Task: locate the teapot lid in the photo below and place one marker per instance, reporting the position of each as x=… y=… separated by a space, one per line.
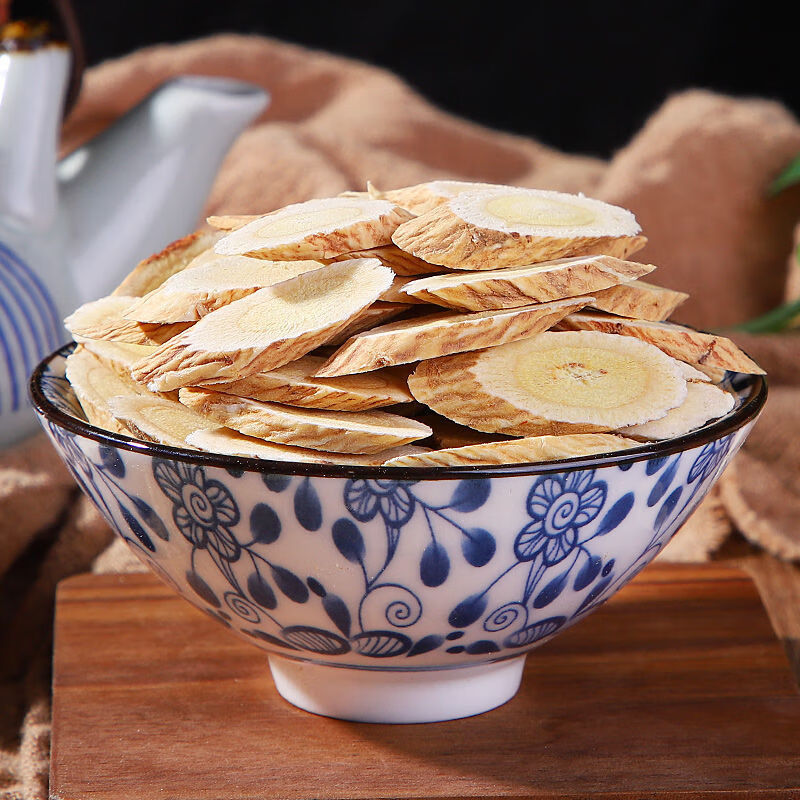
x=42 y=30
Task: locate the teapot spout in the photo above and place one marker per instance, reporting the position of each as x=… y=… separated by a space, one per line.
x=143 y=183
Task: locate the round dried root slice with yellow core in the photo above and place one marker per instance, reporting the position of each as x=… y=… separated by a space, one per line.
x=519 y=286
x=294 y=384
x=153 y=271
x=554 y=383
x=103 y=319
x=231 y=443
x=440 y=334
x=268 y=328
x=316 y=229
x=400 y=262
x=338 y=432
x=702 y=350
x=508 y=227
x=94 y=384
x=638 y=300
x=210 y=282
x=518 y=451
x=703 y=402
x=158 y=419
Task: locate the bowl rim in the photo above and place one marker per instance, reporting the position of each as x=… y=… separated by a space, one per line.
x=747 y=412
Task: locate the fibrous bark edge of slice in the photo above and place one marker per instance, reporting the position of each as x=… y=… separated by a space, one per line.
x=154 y=270
x=390 y=255
x=528 y=450
x=232 y=443
x=442 y=334
x=639 y=300
x=333 y=431
x=519 y=286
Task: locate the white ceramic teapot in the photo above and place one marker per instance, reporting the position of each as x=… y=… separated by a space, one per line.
x=70 y=230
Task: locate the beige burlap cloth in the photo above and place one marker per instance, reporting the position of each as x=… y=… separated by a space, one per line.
x=696 y=176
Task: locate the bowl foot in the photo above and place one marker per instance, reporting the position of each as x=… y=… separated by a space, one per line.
x=394 y=696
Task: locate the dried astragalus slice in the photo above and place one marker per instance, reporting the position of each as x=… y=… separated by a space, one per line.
x=518 y=451
x=639 y=300
x=230 y=222
x=210 y=282
x=703 y=402
x=94 y=384
x=424 y=196
x=294 y=384
x=554 y=383
x=510 y=227
x=377 y=314
x=268 y=328
x=103 y=319
x=395 y=293
x=700 y=350
x=449 y=434
x=520 y=286
x=316 y=229
x=335 y=431
x=153 y=271
x=120 y=356
x=232 y=443
x=690 y=373
x=442 y=334
x=155 y=418
x=390 y=255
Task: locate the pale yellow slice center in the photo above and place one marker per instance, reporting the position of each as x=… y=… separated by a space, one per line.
x=576 y=376
x=310 y=221
x=174 y=420
x=295 y=302
x=105 y=383
x=520 y=209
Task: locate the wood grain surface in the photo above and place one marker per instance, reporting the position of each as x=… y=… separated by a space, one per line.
x=676 y=688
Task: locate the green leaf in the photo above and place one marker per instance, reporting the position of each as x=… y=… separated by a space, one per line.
x=789 y=177
x=775 y=321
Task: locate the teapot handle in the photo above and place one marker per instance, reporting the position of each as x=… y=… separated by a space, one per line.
x=72 y=32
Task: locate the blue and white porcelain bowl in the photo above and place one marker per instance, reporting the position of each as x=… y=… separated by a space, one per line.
x=392 y=594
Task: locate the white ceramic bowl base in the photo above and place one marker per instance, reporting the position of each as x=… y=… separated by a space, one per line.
x=388 y=696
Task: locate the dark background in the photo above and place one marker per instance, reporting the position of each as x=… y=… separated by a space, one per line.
x=580 y=76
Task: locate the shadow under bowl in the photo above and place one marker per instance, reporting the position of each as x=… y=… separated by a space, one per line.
x=392 y=594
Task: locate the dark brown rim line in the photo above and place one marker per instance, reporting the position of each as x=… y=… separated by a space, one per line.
x=748 y=411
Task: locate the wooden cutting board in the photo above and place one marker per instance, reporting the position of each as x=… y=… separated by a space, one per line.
x=677 y=688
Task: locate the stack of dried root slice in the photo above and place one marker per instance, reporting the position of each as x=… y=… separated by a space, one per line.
x=498 y=325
